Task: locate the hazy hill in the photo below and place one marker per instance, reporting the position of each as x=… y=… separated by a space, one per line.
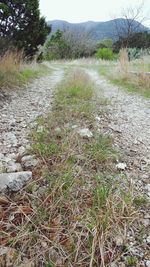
x=97 y=30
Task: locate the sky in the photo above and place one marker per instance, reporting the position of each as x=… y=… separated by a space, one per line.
x=85 y=10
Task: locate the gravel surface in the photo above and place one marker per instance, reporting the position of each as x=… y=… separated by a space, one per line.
x=26 y=104
x=128 y=121
x=19 y=112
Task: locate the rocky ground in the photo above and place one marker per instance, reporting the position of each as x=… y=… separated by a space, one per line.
x=19 y=110
x=128 y=121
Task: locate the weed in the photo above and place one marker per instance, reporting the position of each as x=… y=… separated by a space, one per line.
x=140 y=201
x=100 y=149
x=131 y=261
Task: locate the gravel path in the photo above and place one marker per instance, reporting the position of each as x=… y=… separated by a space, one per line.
x=128 y=121
x=18 y=114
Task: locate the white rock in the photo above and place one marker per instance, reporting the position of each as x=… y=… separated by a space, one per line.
x=12 y=138
x=12 y=156
x=147 y=187
x=148 y=239
x=4 y=250
x=14 y=167
x=1 y=156
x=119 y=240
x=147 y=263
x=98 y=118
x=14 y=181
x=6 y=159
x=113 y=264
x=146 y=222
x=58 y=130
x=21 y=150
x=121 y=166
x=74 y=126
x=85 y=133
x=13 y=122
x=1 y=167
x=29 y=161
x=40 y=128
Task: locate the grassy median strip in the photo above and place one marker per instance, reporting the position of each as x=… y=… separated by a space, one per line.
x=75 y=207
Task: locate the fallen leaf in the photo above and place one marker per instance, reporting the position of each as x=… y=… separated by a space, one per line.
x=4 y=200
x=25 y=210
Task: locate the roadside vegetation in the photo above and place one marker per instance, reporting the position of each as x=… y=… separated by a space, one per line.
x=132 y=75
x=105 y=53
x=15 y=71
x=78 y=209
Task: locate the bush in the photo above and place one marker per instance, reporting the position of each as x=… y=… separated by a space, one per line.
x=105 y=53
x=135 y=53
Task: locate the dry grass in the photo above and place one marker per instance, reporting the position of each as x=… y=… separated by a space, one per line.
x=137 y=81
x=72 y=213
x=11 y=61
x=133 y=80
x=15 y=71
x=10 y=64
x=132 y=75
x=124 y=63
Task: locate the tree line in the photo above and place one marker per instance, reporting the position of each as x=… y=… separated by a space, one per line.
x=22 y=28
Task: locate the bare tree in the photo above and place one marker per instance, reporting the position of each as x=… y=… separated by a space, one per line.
x=79 y=41
x=132 y=18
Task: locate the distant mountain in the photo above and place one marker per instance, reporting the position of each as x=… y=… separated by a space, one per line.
x=96 y=30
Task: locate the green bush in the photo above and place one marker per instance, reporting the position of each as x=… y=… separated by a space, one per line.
x=105 y=53
x=135 y=53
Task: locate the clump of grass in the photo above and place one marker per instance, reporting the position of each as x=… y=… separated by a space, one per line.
x=78 y=87
x=11 y=61
x=100 y=149
x=138 y=81
x=15 y=71
x=70 y=214
x=131 y=261
x=10 y=64
x=124 y=62
x=140 y=201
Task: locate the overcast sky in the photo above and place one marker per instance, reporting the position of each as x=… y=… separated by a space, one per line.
x=84 y=10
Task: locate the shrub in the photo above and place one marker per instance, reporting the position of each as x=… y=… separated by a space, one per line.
x=105 y=53
x=15 y=71
x=135 y=53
